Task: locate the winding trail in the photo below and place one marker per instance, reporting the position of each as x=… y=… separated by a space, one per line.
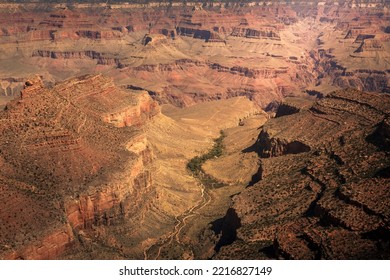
x=181 y=222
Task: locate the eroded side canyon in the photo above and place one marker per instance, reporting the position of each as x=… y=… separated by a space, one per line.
x=104 y=106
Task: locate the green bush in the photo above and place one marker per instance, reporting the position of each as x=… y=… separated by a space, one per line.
x=195 y=164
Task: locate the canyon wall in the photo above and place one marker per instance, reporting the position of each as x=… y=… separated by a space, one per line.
x=199 y=52
x=65 y=168
x=77 y=169
x=322 y=191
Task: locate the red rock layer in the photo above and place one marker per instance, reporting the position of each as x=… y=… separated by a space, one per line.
x=324 y=187
x=65 y=167
x=262 y=35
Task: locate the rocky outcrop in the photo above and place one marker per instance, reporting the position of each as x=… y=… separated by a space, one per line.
x=238 y=81
x=259 y=51
x=89 y=34
x=75 y=158
x=32 y=87
x=340 y=76
x=273 y=147
x=137 y=115
x=370 y=46
x=381 y=136
x=119 y=199
x=192 y=32
x=364 y=79
x=101 y=58
x=49 y=246
x=286 y=109
x=207 y=35
x=352 y=33
x=256 y=34
x=65 y=168
x=330 y=201
x=362 y=37
x=155 y=39
x=235 y=70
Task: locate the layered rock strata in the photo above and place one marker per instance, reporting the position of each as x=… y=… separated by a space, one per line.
x=324 y=185
x=72 y=158
x=263 y=51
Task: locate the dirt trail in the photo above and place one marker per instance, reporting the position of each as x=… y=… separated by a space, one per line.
x=179 y=232
x=181 y=222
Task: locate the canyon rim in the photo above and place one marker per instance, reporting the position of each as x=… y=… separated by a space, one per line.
x=194 y=129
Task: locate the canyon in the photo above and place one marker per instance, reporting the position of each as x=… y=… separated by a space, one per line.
x=105 y=109
x=321 y=172
x=199 y=52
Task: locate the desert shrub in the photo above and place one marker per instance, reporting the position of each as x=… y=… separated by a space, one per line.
x=195 y=164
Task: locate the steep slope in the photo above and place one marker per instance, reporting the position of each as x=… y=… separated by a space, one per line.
x=89 y=170
x=186 y=54
x=172 y=225
x=323 y=185
x=71 y=159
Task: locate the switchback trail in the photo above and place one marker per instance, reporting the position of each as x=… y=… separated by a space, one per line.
x=181 y=222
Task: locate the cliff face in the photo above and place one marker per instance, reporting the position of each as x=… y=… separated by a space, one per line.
x=365 y=79
x=75 y=159
x=136 y=114
x=238 y=81
x=187 y=54
x=125 y=194
x=101 y=58
x=253 y=33
x=66 y=168
x=324 y=184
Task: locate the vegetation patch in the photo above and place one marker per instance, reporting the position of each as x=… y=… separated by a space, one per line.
x=195 y=164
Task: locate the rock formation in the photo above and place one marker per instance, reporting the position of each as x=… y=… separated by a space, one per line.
x=323 y=191
x=196 y=53
x=90 y=168
x=72 y=157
